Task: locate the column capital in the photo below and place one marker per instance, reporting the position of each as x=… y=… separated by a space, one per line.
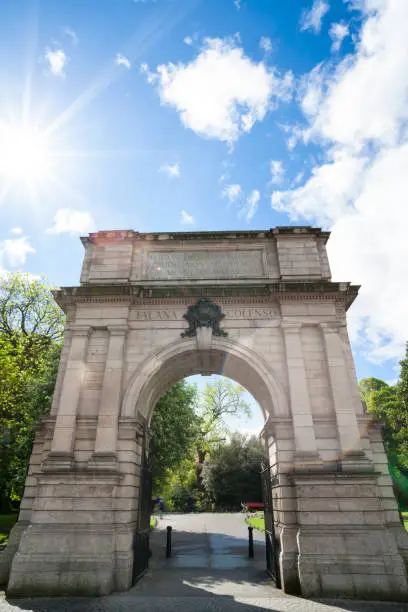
x=118 y=330
x=332 y=327
x=291 y=327
x=79 y=331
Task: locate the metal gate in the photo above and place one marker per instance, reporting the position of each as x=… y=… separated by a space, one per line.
x=141 y=549
x=272 y=547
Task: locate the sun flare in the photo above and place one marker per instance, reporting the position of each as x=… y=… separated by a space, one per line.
x=25 y=156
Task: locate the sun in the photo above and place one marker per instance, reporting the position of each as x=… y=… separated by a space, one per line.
x=25 y=155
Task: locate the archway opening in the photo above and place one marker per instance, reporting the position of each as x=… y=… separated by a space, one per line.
x=238 y=366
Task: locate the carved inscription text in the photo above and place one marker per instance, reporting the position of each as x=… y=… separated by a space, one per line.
x=268 y=312
x=205 y=264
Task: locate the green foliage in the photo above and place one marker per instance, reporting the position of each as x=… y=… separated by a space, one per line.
x=187 y=428
x=389 y=404
x=174 y=428
x=28 y=308
x=233 y=474
x=31 y=326
x=7 y=521
x=180 y=496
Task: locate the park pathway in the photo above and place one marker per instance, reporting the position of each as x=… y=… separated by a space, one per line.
x=209 y=571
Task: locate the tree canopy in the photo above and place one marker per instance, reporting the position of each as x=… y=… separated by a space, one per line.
x=174 y=428
x=28 y=308
x=31 y=328
x=389 y=404
x=233 y=474
x=219 y=400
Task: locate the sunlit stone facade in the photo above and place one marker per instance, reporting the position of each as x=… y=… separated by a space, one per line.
x=336 y=516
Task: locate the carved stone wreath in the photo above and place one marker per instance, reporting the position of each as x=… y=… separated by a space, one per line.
x=203 y=313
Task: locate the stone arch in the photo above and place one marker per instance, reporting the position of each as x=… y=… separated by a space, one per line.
x=181 y=359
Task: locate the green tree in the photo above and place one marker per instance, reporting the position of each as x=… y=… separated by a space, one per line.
x=389 y=404
x=31 y=329
x=174 y=428
x=218 y=401
x=28 y=308
x=233 y=474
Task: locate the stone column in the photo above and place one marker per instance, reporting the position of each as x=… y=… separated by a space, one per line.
x=349 y=434
x=305 y=441
x=107 y=431
x=64 y=432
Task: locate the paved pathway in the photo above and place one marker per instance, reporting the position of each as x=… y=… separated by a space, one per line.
x=209 y=572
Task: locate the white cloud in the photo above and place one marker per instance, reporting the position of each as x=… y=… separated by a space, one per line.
x=172 y=170
x=277 y=172
x=122 y=60
x=366 y=98
x=72 y=35
x=265 y=43
x=222 y=92
x=327 y=195
x=70 y=221
x=359 y=115
x=186 y=219
x=251 y=204
x=298 y=178
x=338 y=32
x=312 y=19
x=14 y=251
x=232 y=192
x=57 y=61
x=16 y=230
x=188 y=40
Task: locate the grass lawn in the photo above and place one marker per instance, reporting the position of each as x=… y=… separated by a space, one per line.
x=153 y=522
x=6 y=523
x=257 y=522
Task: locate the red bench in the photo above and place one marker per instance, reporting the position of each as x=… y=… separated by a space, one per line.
x=252 y=506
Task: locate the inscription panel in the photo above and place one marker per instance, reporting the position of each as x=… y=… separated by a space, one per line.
x=205 y=264
x=235 y=313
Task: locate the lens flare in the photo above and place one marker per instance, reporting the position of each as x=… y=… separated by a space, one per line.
x=24 y=154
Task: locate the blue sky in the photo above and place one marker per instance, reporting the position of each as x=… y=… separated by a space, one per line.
x=174 y=115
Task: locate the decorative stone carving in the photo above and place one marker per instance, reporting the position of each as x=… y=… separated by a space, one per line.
x=203 y=314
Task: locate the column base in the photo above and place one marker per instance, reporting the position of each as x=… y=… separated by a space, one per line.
x=306 y=461
x=58 y=461
x=101 y=461
x=356 y=461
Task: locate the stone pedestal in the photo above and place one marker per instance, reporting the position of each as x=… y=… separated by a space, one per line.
x=69 y=546
x=345 y=547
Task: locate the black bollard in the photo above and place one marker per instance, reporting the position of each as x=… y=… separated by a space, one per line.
x=168 y=542
x=251 y=542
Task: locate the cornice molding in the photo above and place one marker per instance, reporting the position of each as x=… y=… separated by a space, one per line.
x=130 y=236
x=281 y=291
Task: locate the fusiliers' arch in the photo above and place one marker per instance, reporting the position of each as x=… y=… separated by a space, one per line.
x=259 y=307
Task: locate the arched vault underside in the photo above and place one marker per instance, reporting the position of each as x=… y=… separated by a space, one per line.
x=259 y=307
x=182 y=359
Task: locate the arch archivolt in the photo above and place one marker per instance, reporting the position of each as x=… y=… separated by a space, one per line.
x=181 y=359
